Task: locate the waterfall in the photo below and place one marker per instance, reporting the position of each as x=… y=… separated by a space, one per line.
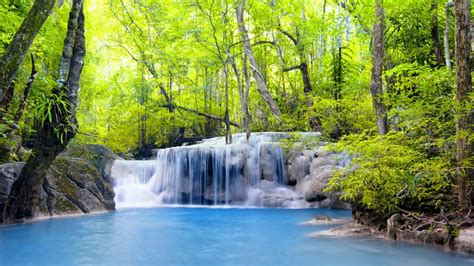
x=243 y=173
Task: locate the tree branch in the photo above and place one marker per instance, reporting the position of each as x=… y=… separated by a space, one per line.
x=287 y=34
x=287 y=69
x=221 y=119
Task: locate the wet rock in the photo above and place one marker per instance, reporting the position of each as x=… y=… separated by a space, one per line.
x=269 y=163
x=323 y=161
x=323 y=220
x=392 y=226
x=313 y=185
x=465 y=241
x=348 y=230
x=298 y=165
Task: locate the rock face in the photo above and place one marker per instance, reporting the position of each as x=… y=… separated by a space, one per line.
x=311 y=171
x=9 y=172
x=78 y=182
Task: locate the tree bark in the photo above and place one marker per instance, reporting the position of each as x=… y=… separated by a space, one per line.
x=447 y=51
x=377 y=59
x=26 y=92
x=261 y=85
x=213 y=117
x=248 y=119
x=24 y=197
x=69 y=42
x=18 y=47
x=465 y=113
x=303 y=66
x=435 y=33
x=5 y=102
x=243 y=96
x=228 y=134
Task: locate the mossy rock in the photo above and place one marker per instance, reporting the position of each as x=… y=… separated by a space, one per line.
x=9 y=147
x=99 y=156
x=75 y=185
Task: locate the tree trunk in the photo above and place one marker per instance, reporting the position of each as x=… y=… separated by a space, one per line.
x=243 y=96
x=248 y=119
x=5 y=102
x=18 y=47
x=228 y=134
x=26 y=92
x=447 y=51
x=306 y=80
x=261 y=86
x=377 y=59
x=435 y=33
x=465 y=113
x=52 y=138
x=322 y=43
x=68 y=45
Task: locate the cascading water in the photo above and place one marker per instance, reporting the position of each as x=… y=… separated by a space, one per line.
x=243 y=173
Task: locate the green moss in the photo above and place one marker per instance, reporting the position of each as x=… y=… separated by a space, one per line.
x=63 y=205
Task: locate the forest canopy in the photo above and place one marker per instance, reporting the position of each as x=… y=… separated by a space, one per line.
x=351 y=69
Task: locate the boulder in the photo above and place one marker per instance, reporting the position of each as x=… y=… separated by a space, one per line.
x=9 y=172
x=78 y=182
x=314 y=184
x=322 y=161
x=99 y=156
x=269 y=162
x=318 y=179
x=298 y=165
x=74 y=186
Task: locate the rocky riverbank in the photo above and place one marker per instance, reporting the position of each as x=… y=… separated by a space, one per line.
x=462 y=241
x=78 y=182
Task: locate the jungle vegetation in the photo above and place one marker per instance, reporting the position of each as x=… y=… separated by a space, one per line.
x=388 y=81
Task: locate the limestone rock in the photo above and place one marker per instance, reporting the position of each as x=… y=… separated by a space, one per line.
x=77 y=182
x=313 y=185
x=9 y=172
x=319 y=178
x=74 y=186
x=298 y=165
x=101 y=157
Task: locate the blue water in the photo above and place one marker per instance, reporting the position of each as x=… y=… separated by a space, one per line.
x=202 y=236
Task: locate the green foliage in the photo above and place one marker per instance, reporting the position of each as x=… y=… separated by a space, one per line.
x=55 y=112
x=137 y=49
x=388 y=173
x=300 y=141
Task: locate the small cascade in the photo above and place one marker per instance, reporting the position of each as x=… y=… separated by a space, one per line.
x=243 y=173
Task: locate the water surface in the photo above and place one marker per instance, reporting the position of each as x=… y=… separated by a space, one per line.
x=203 y=236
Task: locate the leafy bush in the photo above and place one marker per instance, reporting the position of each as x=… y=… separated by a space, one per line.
x=387 y=174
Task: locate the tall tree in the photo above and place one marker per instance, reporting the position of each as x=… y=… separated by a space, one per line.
x=377 y=60
x=465 y=112
x=58 y=127
x=303 y=64
x=447 y=51
x=256 y=73
x=18 y=47
x=435 y=33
